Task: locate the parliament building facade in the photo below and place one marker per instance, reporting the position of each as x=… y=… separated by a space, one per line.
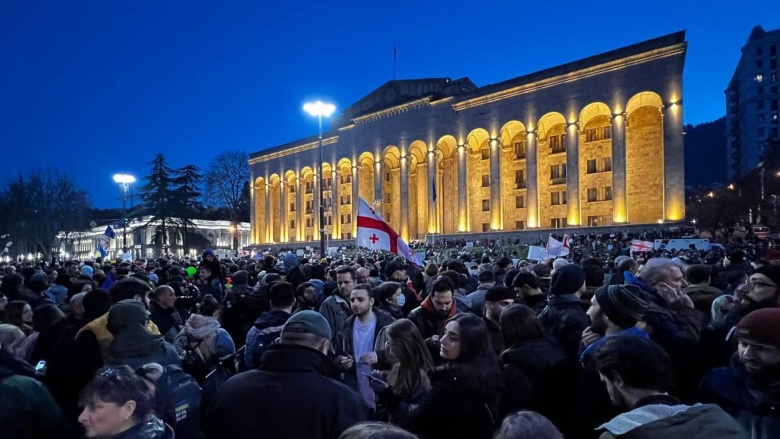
x=590 y=143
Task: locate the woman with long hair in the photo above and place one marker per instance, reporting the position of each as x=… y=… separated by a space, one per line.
x=19 y=313
x=539 y=375
x=466 y=389
x=406 y=383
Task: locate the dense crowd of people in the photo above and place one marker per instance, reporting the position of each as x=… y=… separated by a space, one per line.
x=602 y=343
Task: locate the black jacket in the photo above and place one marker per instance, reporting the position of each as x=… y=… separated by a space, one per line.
x=564 y=319
x=294 y=394
x=168 y=321
x=539 y=377
x=457 y=406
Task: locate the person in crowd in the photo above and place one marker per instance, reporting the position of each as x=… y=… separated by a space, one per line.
x=336 y=308
x=292 y=267
x=637 y=374
x=395 y=271
x=429 y=275
x=209 y=281
x=203 y=334
x=538 y=374
x=376 y=430
x=27 y=409
x=76 y=308
x=528 y=290
x=563 y=317
x=527 y=425
x=318 y=280
x=306 y=297
x=12 y=286
x=434 y=312
x=487 y=279
x=749 y=389
x=462 y=301
x=465 y=391
x=391 y=298
x=594 y=278
x=48 y=323
x=20 y=314
x=268 y=327
x=162 y=311
x=497 y=299
x=363 y=276
x=60 y=286
x=11 y=338
x=361 y=342
x=700 y=291
x=623 y=265
x=734 y=281
x=119 y=404
x=133 y=343
x=296 y=377
x=733 y=263
x=406 y=383
x=721 y=307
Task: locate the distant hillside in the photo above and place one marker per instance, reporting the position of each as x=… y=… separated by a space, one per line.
x=705 y=153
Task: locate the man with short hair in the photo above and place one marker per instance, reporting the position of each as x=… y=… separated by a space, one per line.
x=497 y=299
x=357 y=350
x=163 y=312
x=295 y=393
x=305 y=297
x=362 y=275
x=431 y=316
x=527 y=289
x=749 y=389
x=700 y=291
x=269 y=325
x=336 y=308
x=637 y=374
x=487 y=279
x=563 y=317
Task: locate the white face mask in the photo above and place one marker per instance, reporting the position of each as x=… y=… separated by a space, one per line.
x=401 y=300
x=473 y=272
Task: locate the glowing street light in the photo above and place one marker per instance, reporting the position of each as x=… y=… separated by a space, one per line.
x=124 y=180
x=320 y=110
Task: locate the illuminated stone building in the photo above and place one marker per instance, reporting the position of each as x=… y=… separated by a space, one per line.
x=593 y=142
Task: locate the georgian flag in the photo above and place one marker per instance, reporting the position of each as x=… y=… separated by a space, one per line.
x=557 y=248
x=375 y=234
x=637 y=245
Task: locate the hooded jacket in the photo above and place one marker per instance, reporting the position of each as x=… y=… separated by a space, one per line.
x=204 y=331
x=292 y=380
x=427 y=318
x=663 y=416
x=292 y=267
x=267 y=328
x=103 y=336
x=564 y=319
x=168 y=321
x=136 y=346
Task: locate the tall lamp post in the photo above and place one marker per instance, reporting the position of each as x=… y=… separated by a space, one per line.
x=320 y=109
x=124 y=181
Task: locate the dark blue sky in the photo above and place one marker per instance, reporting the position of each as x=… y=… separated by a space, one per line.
x=98 y=87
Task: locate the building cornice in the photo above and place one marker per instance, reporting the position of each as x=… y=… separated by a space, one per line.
x=293 y=150
x=576 y=75
x=392 y=111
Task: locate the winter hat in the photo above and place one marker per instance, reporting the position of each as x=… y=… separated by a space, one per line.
x=124 y=314
x=240 y=277
x=541 y=270
x=560 y=262
x=86 y=270
x=567 y=280
x=762 y=325
x=308 y=322
x=498 y=293
x=153 y=277
x=622 y=304
x=620 y=259
x=770 y=271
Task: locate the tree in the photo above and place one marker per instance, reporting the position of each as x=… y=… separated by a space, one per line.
x=227 y=184
x=37 y=207
x=187 y=198
x=159 y=198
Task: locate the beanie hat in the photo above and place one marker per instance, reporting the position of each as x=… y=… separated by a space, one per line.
x=762 y=325
x=567 y=280
x=560 y=262
x=622 y=304
x=770 y=271
x=86 y=270
x=153 y=277
x=498 y=293
x=240 y=277
x=124 y=314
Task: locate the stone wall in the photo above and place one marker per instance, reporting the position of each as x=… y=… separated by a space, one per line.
x=644 y=166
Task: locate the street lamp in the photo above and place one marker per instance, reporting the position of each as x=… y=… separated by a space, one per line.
x=124 y=181
x=320 y=109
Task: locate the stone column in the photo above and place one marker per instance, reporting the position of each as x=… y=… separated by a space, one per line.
x=300 y=230
x=403 y=182
x=253 y=226
x=532 y=181
x=283 y=212
x=378 y=183
x=573 y=174
x=316 y=200
x=463 y=207
x=674 y=169
x=433 y=186
x=267 y=227
x=496 y=206
x=335 y=206
x=355 y=198
x=619 y=209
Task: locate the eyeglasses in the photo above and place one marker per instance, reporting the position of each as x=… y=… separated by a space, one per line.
x=754 y=284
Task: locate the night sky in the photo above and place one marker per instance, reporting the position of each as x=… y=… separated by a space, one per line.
x=93 y=88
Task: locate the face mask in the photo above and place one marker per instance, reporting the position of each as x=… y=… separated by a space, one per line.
x=473 y=272
x=401 y=300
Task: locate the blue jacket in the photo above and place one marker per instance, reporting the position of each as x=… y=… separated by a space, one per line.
x=266 y=330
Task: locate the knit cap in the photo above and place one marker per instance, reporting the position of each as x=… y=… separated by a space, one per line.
x=567 y=280
x=770 y=271
x=762 y=325
x=622 y=304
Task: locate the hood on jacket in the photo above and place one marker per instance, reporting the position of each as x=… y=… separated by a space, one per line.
x=200 y=327
x=269 y=319
x=125 y=314
x=13 y=365
x=240 y=277
x=134 y=341
x=427 y=305
x=290 y=261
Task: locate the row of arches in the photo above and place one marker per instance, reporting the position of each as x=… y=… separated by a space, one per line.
x=595 y=168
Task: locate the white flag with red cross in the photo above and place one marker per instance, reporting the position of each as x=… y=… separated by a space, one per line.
x=375 y=234
x=638 y=245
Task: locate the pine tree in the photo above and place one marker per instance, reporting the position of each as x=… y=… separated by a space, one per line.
x=159 y=197
x=187 y=194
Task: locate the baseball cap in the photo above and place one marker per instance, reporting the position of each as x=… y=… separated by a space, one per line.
x=308 y=322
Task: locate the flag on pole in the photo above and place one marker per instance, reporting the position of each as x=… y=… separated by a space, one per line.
x=375 y=234
x=104 y=242
x=557 y=248
x=566 y=247
x=637 y=245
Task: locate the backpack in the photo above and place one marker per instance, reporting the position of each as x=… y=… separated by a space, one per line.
x=178 y=398
x=227 y=366
x=192 y=362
